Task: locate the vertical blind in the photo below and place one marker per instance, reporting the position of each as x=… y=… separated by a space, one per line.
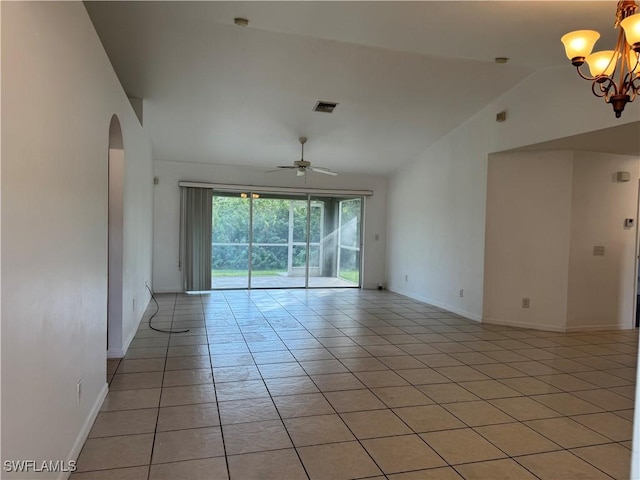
x=195 y=237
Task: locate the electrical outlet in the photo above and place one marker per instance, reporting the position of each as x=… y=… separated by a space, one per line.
x=525 y=302
x=78 y=393
x=461 y=292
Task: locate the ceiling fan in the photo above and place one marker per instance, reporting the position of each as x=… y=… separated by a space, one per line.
x=301 y=166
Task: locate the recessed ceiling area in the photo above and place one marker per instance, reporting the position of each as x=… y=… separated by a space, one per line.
x=404 y=73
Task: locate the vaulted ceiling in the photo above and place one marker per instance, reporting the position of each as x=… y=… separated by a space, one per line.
x=404 y=73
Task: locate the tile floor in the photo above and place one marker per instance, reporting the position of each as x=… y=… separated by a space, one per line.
x=347 y=384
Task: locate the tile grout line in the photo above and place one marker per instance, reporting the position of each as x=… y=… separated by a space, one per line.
x=155 y=431
x=215 y=390
x=330 y=315
x=270 y=395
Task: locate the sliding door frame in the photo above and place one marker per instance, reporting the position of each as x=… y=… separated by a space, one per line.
x=339 y=195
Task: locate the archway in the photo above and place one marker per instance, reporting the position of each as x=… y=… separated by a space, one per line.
x=115 y=242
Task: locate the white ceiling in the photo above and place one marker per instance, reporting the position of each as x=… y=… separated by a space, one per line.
x=404 y=73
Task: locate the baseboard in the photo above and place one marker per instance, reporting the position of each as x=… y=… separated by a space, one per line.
x=120 y=352
x=86 y=428
x=527 y=325
x=133 y=332
x=115 y=353
x=168 y=290
x=598 y=328
x=444 y=306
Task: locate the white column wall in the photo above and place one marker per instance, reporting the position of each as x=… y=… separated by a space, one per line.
x=436 y=220
x=601 y=288
x=528 y=233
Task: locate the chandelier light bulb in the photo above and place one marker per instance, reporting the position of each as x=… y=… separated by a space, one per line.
x=631 y=27
x=602 y=63
x=579 y=44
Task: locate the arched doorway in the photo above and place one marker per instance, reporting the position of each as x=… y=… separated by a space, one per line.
x=115 y=242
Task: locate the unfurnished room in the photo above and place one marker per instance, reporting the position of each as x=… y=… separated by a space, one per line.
x=319 y=240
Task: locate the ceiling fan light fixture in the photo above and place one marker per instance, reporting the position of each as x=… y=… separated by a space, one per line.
x=301 y=166
x=614 y=74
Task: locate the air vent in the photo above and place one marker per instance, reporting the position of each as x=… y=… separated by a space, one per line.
x=326 y=107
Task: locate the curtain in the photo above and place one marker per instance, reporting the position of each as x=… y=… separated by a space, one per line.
x=195 y=238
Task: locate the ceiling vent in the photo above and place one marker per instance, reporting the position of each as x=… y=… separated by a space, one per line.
x=326 y=107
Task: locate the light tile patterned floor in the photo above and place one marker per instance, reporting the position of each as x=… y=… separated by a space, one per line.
x=346 y=384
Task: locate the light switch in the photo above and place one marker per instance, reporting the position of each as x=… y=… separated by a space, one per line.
x=598 y=250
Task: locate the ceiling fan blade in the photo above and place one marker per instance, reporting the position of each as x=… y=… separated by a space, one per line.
x=326 y=171
x=286 y=166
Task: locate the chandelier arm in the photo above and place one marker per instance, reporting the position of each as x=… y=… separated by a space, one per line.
x=627 y=84
x=637 y=63
x=622 y=61
x=599 y=93
x=582 y=75
x=604 y=85
x=634 y=88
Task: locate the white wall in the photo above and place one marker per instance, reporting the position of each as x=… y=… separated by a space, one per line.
x=545 y=213
x=436 y=221
x=437 y=201
x=166 y=276
x=527 y=239
x=601 y=288
x=59 y=94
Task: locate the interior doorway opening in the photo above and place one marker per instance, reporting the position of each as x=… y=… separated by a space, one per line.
x=115 y=239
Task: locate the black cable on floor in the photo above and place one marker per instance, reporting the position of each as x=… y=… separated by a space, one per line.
x=155 y=313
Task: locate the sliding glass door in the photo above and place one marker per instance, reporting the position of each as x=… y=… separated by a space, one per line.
x=339 y=245
x=279 y=241
x=264 y=240
x=349 y=236
x=230 y=234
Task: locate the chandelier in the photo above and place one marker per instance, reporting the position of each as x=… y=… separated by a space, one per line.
x=615 y=74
